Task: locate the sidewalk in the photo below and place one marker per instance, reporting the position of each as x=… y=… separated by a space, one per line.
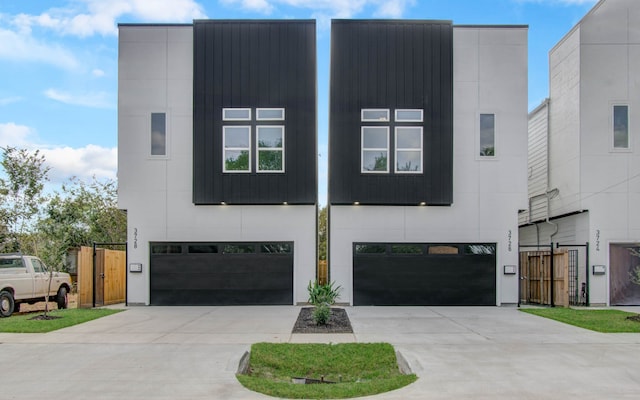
x=193 y=353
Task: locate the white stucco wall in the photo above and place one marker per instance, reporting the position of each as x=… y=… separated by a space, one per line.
x=490 y=76
x=155 y=75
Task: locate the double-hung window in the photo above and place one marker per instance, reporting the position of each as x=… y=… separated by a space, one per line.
x=404 y=150
x=243 y=136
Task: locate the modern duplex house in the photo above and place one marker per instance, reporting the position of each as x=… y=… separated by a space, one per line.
x=427 y=161
x=217 y=150
x=584 y=157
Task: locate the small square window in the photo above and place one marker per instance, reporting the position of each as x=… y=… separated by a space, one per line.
x=409 y=115
x=236 y=114
x=375 y=149
x=487 y=135
x=237 y=148
x=270 y=114
x=270 y=143
x=621 y=127
x=375 y=115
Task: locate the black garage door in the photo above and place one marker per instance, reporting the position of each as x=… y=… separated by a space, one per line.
x=221 y=273
x=424 y=274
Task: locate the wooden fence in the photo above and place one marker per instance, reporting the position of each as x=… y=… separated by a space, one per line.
x=109 y=283
x=535 y=278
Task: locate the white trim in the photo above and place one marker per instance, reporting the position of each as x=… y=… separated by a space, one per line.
x=225 y=118
x=258 y=149
x=258 y=118
x=224 y=149
x=407 y=150
x=364 y=110
x=363 y=149
x=421 y=111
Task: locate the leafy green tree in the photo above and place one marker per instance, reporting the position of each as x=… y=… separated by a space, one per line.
x=240 y=163
x=83 y=214
x=322 y=233
x=21 y=198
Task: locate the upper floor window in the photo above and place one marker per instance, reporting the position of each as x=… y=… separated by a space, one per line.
x=270 y=148
x=403 y=150
x=239 y=142
x=270 y=114
x=236 y=114
x=487 y=135
x=158 y=134
x=374 y=115
x=621 y=127
x=237 y=148
x=375 y=149
x=409 y=149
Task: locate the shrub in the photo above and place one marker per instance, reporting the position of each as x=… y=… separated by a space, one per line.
x=321 y=314
x=322 y=297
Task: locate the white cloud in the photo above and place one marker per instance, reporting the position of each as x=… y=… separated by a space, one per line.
x=323 y=9
x=99 y=17
x=9 y=100
x=97 y=73
x=22 y=47
x=93 y=100
x=84 y=163
x=561 y=2
x=15 y=135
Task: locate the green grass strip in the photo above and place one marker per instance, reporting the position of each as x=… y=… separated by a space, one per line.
x=69 y=317
x=605 y=321
x=360 y=369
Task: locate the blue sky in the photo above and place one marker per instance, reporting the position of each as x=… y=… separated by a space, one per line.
x=59 y=61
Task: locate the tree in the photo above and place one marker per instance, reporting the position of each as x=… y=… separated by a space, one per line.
x=20 y=197
x=83 y=214
x=322 y=233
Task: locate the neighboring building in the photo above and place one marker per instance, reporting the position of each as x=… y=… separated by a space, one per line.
x=217 y=160
x=584 y=157
x=427 y=161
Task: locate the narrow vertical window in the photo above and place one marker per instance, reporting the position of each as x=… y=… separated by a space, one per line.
x=237 y=148
x=487 y=135
x=158 y=134
x=621 y=127
x=408 y=149
x=270 y=139
x=375 y=149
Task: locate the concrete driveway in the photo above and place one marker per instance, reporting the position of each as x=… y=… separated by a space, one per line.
x=193 y=353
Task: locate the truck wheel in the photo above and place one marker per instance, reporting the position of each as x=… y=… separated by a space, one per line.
x=62 y=298
x=16 y=307
x=6 y=304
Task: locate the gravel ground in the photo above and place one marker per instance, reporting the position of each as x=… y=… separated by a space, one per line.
x=338 y=323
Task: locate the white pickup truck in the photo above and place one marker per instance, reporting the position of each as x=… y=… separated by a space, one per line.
x=25 y=279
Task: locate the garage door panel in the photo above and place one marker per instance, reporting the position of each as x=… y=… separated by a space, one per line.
x=221 y=279
x=424 y=279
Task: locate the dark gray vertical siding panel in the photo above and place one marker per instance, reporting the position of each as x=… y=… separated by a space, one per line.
x=256 y=64
x=391 y=64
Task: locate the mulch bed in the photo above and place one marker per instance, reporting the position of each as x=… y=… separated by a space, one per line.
x=44 y=317
x=635 y=318
x=338 y=322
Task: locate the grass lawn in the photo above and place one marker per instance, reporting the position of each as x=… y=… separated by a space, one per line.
x=606 y=321
x=359 y=368
x=68 y=317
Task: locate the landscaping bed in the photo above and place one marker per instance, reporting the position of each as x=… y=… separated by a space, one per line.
x=338 y=322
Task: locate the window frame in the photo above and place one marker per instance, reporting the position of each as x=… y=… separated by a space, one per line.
x=259 y=149
x=397 y=150
x=225 y=118
x=224 y=150
x=613 y=128
x=166 y=135
x=421 y=110
x=364 y=110
x=479 y=155
x=371 y=149
x=269 y=109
